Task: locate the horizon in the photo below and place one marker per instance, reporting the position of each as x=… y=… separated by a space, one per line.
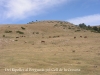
x=73 y=11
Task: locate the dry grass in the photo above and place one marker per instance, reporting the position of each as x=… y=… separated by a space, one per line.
x=60 y=49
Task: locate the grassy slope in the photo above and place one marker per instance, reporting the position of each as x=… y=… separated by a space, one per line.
x=57 y=52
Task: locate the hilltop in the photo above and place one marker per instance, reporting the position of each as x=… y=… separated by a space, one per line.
x=38 y=30
x=49 y=44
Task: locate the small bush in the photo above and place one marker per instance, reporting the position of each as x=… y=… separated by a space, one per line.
x=33 y=32
x=73 y=51
x=23 y=28
x=19 y=32
x=8 y=31
x=92 y=30
x=69 y=28
x=37 y=32
x=64 y=25
x=16 y=40
x=78 y=30
x=55 y=25
x=3 y=35
x=73 y=28
x=61 y=22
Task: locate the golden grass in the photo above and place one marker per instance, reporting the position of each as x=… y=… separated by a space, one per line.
x=57 y=52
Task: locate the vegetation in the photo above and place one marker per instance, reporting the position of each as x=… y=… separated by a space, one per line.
x=16 y=40
x=83 y=26
x=64 y=25
x=93 y=29
x=55 y=25
x=77 y=30
x=69 y=28
x=19 y=32
x=23 y=28
x=61 y=22
x=48 y=49
x=35 y=32
x=8 y=31
x=3 y=35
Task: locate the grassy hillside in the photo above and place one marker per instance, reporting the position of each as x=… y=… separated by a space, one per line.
x=55 y=47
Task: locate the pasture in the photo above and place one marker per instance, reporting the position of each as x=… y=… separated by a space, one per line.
x=48 y=48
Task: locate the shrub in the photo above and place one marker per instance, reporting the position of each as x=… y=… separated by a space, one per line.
x=73 y=51
x=55 y=25
x=19 y=32
x=82 y=26
x=78 y=30
x=23 y=28
x=3 y=35
x=61 y=22
x=33 y=32
x=64 y=25
x=8 y=31
x=16 y=40
x=37 y=32
x=95 y=29
x=69 y=28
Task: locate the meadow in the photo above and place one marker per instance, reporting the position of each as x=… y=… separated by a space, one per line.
x=48 y=48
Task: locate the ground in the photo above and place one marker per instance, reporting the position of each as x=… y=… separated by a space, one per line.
x=59 y=54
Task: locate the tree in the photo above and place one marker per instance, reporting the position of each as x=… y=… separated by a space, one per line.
x=89 y=27
x=99 y=29
x=95 y=28
x=82 y=25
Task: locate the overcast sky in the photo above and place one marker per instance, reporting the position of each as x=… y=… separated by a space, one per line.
x=74 y=11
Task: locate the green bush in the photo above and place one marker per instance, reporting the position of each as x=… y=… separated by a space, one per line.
x=23 y=28
x=16 y=40
x=19 y=32
x=33 y=32
x=3 y=35
x=95 y=29
x=69 y=28
x=37 y=32
x=78 y=30
x=82 y=26
x=8 y=31
x=61 y=22
x=64 y=25
x=55 y=25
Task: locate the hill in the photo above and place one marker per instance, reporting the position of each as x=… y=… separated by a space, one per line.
x=50 y=48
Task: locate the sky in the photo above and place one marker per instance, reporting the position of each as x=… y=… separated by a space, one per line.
x=74 y=11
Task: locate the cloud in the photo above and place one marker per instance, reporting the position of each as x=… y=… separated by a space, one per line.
x=21 y=9
x=88 y=20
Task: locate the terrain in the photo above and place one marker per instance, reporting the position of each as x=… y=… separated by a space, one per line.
x=48 y=48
